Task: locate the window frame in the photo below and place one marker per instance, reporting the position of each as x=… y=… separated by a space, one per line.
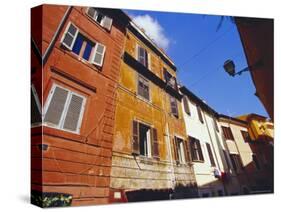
x=226 y=134
x=210 y=154
x=101 y=23
x=146 y=56
x=181 y=149
x=38 y=104
x=139 y=76
x=60 y=125
x=237 y=166
x=198 y=150
x=149 y=141
x=186 y=105
x=176 y=106
x=93 y=51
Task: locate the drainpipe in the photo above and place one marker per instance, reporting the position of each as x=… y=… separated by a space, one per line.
x=209 y=133
x=56 y=35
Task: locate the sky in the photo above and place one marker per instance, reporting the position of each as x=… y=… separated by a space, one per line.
x=199 y=48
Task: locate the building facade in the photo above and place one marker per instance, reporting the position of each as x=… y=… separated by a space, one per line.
x=74 y=90
x=249 y=160
x=150 y=154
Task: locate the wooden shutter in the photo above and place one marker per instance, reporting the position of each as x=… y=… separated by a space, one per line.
x=210 y=154
x=174 y=106
x=232 y=158
x=216 y=124
x=98 y=56
x=200 y=114
x=193 y=148
x=135 y=138
x=186 y=105
x=107 y=22
x=176 y=154
x=72 y=118
x=155 y=146
x=199 y=150
x=186 y=148
x=69 y=36
x=35 y=111
x=56 y=106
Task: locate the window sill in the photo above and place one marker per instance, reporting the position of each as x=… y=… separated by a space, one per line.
x=47 y=130
x=198 y=161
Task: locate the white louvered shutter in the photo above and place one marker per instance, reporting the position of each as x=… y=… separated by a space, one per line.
x=92 y=13
x=56 y=106
x=107 y=22
x=69 y=36
x=98 y=54
x=35 y=111
x=72 y=118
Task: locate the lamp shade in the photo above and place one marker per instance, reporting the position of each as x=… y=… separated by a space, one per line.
x=229 y=67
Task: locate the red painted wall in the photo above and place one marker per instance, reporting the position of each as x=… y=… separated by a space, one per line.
x=78 y=164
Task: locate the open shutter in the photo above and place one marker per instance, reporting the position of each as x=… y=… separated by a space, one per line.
x=92 y=13
x=212 y=161
x=107 y=22
x=176 y=154
x=56 y=106
x=200 y=114
x=35 y=107
x=98 y=54
x=216 y=124
x=135 y=138
x=69 y=36
x=174 y=106
x=72 y=118
x=155 y=146
x=199 y=150
x=186 y=105
x=186 y=150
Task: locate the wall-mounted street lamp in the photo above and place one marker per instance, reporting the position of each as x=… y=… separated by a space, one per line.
x=229 y=67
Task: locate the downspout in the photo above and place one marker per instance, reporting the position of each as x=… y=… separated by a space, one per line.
x=56 y=35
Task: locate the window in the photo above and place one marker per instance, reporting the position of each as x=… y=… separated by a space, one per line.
x=170 y=80
x=76 y=42
x=143 y=87
x=196 y=151
x=199 y=112
x=174 y=106
x=236 y=162
x=179 y=148
x=144 y=140
x=212 y=161
x=246 y=136
x=36 y=117
x=142 y=56
x=216 y=124
x=186 y=105
x=256 y=162
x=64 y=109
x=225 y=154
x=227 y=133
x=101 y=19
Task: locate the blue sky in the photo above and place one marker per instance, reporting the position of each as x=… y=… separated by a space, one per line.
x=199 y=50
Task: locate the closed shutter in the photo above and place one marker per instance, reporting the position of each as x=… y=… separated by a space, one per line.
x=69 y=36
x=155 y=146
x=135 y=138
x=98 y=54
x=193 y=148
x=106 y=23
x=73 y=113
x=56 y=106
x=210 y=154
x=35 y=111
x=174 y=106
x=199 y=150
x=176 y=154
x=200 y=114
x=186 y=105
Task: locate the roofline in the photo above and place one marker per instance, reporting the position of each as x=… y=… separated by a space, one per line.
x=229 y=118
x=196 y=99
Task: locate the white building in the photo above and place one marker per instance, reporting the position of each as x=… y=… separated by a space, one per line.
x=207 y=147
